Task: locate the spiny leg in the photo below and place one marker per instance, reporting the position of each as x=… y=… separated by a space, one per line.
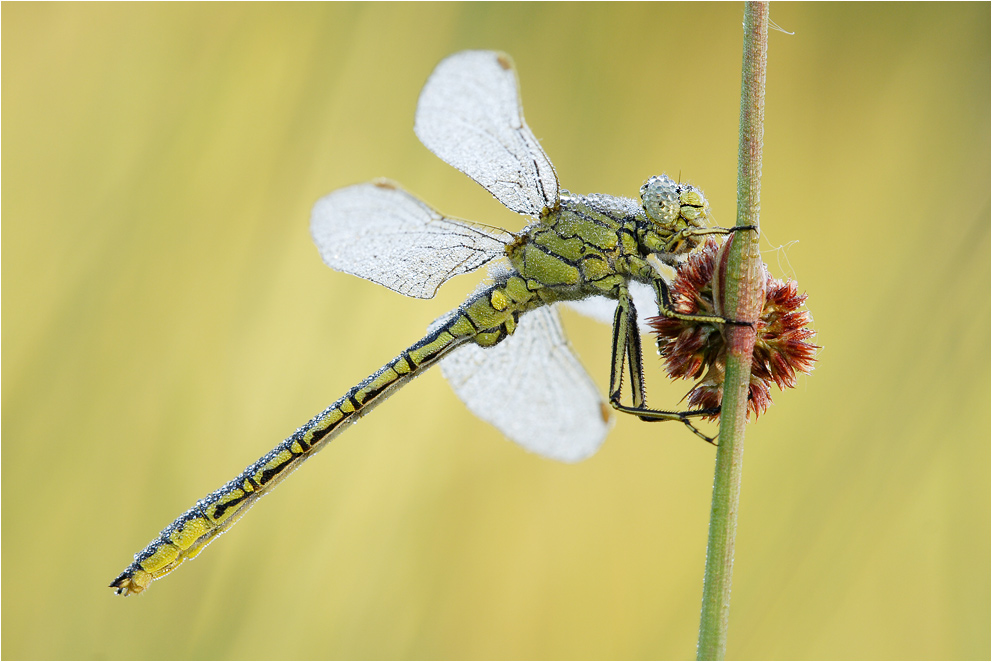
x=635 y=361
x=618 y=351
x=665 y=308
x=685 y=233
x=627 y=346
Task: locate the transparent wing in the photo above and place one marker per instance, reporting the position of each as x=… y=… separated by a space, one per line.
x=379 y=232
x=533 y=389
x=469 y=114
x=602 y=309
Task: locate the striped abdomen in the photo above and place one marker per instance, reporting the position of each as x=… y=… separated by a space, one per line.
x=218 y=511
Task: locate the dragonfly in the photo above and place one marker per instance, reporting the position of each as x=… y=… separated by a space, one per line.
x=503 y=350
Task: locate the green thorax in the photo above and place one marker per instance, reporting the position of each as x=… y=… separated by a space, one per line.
x=587 y=246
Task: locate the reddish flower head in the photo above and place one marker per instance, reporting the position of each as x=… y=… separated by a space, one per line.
x=694 y=350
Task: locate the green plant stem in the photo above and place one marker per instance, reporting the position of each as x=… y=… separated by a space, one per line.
x=742 y=293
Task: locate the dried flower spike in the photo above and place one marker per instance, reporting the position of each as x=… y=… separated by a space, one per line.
x=694 y=350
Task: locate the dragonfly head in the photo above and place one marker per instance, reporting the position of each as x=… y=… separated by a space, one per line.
x=673 y=206
x=672 y=209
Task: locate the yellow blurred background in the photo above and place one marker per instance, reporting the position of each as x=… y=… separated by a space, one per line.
x=166 y=320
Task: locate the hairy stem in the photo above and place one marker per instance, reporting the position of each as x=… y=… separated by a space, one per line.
x=742 y=293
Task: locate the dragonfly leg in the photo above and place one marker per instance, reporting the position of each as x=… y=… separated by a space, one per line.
x=635 y=361
x=627 y=349
x=665 y=308
x=686 y=233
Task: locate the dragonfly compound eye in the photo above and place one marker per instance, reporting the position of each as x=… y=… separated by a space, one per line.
x=661 y=200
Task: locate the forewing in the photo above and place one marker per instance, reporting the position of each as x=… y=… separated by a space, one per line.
x=533 y=389
x=469 y=114
x=379 y=232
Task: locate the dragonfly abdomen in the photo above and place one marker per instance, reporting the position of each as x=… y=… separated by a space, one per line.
x=477 y=319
